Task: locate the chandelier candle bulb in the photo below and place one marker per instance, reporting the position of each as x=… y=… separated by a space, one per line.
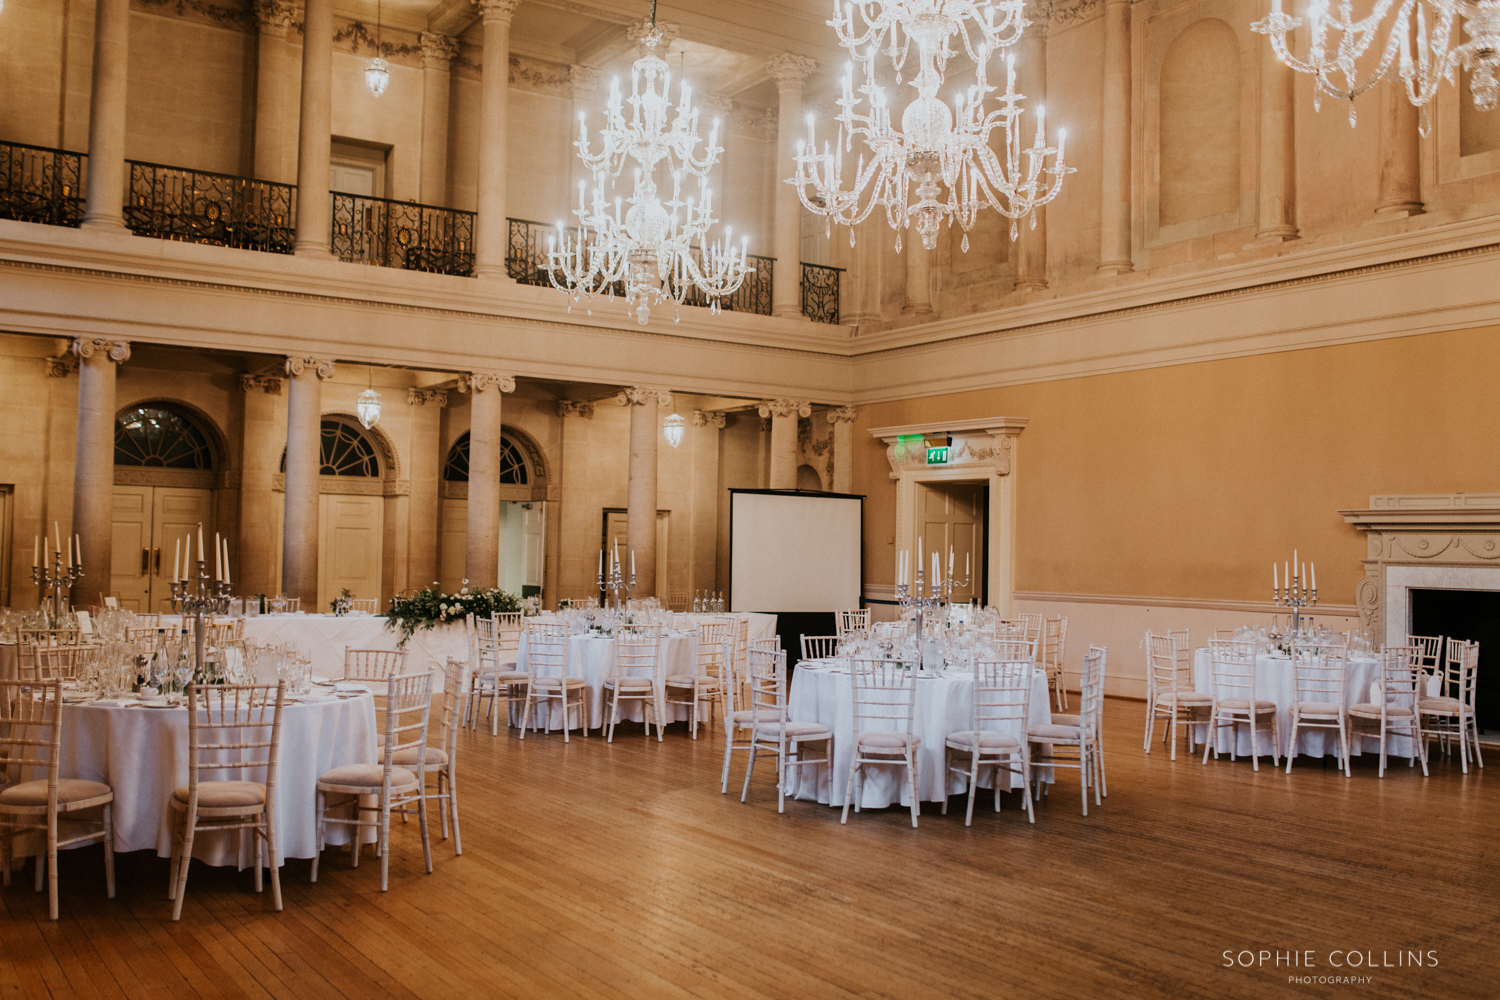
x=78 y=545
x=36 y=551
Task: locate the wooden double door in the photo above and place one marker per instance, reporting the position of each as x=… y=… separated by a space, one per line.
x=148 y=521
x=952 y=516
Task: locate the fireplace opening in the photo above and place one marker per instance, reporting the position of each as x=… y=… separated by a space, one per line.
x=1473 y=615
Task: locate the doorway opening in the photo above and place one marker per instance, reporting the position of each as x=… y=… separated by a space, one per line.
x=615 y=534
x=1474 y=616
x=952 y=521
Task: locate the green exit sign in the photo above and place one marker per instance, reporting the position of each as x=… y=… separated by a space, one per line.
x=937 y=456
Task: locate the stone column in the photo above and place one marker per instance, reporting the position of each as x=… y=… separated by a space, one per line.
x=482 y=546
x=789 y=72
x=577 y=511
x=842 y=418
x=264 y=427
x=640 y=503
x=438 y=51
x=106 y=168
x=918 y=277
x=315 y=132
x=1114 y=203
x=273 y=88
x=1276 y=214
x=1400 y=154
x=491 y=230
x=783 y=414
x=299 y=528
x=1031 y=258
x=94 y=464
x=426 y=483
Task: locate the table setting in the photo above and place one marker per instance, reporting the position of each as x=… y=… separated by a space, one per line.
x=822 y=691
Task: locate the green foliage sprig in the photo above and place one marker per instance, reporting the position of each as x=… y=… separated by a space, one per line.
x=431 y=607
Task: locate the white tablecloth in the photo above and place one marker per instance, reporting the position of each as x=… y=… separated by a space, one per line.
x=142 y=753
x=944 y=705
x=1275 y=681
x=592 y=657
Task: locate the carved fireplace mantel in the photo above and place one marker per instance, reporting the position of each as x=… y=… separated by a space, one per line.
x=1448 y=541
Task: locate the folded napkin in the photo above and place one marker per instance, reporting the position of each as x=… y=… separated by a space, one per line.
x=313 y=699
x=355 y=687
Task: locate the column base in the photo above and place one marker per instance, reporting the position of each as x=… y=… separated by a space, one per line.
x=923 y=310
x=1274 y=237
x=1398 y=210
x=1116 y=267
x=492 y=272
x=784 y=312
x=1030 y=284
x=102 y=222
x=310 y=248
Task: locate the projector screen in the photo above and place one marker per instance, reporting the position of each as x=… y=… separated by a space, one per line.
x=794 y=552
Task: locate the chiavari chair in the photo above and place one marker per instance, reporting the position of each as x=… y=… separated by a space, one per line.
x=632 y=677
x=819 y=647
x=441 y=761
x=368 y=605
x=547 y=663
x=885 y=698
x=1393 y=705
x=997 y=736
x=1450 y=713
x=772 y=733
x=494 y=645
x=241 y=722
x=1081 y=741
x=1321 y=676
x=851 y=620
x=1053 y=648
x=372 y=664
x=1235 y=703
x=1170 y=694
x=31 y=740
x=407 y=705
x=712 y=673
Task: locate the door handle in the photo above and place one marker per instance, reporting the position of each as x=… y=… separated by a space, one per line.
x=145 y=561
x=158 y=562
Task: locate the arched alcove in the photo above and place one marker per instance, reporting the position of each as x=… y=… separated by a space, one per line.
x=1199 y=124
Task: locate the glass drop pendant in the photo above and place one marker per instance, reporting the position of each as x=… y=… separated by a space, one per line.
x=965 y=243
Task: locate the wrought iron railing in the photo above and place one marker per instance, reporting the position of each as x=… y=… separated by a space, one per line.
x=526 y=262
x=198 y=206
x=38 y=184
x=820 y=292
x=402 y=234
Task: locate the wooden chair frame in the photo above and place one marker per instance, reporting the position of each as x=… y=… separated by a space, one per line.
x=885 y=691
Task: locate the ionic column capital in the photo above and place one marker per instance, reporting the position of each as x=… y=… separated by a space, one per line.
x=790 y=71
x=575 y=408
x=641 y=395
x=707 y=418
x=785 y=408
x=421 y=397
x=492 y=11
x=117 y=351
x=264 y=381
x=274 y=17
x=843 y=415
x=482 y=381
x=438 y=50
x=320 y=367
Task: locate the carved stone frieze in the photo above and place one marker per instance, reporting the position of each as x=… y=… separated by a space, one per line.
x=264 y=381
x=641 y=395
x=910 y=456
x=575 y=408
x=707 y=418
x=274 y=16
x=584 y=82
x=843 y=415
x=540 y=77
x=320 y=367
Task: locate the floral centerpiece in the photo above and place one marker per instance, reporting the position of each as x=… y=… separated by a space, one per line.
x=431 y=607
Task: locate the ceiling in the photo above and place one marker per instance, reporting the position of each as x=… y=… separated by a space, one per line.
x=723 y=45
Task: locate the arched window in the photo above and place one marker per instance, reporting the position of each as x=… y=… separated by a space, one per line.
x=1199 y=151
x=154 y=436
x=344 y=451
x=513 y=470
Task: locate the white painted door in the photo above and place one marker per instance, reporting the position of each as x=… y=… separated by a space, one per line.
x=952 y=516
x=534 y=529
x=350 y=540
x=148 y=522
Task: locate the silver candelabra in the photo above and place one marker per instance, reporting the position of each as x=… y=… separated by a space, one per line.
x=614 y=582
x=206 y=597
x=59 y=579
x=1295 y=592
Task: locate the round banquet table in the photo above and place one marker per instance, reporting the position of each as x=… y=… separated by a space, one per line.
x=1275 y=681
x=592 y=657
x=142 y=753
x=823 y=692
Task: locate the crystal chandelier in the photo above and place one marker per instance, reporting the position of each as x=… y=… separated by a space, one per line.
x=942 y=155
x=1338 y=42
x=377 y=74
x=654 y=251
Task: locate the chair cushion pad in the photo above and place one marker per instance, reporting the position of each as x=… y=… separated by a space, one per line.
x=222 y=794
x=1055 y=732
x=556 y=683
x=806 y=731
x=987 y=741
x=747 y=716
x=436 y=757
x=631 y=683
x=886 y=741
x=367 y=776
x=687 y=680
x=1440 y=706
x=505 y=677
x=34 y=793
x=1369 y=710
x=1306 y=708
x=1243 y=705
x=1067 y=720
x=1185 y=698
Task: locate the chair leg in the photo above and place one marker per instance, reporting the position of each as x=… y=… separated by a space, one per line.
x=911 y=780
x=452 y=772
x=442 y=810
x=749 y=769
x=426 y=838
x=190 y=820
x=7 y=851
x=974 y=787
x=321 y=804
x=849 y=788
x=256 y=845
x=274 y=861
x=52 y=865
x=108 y=849
x=383 y=845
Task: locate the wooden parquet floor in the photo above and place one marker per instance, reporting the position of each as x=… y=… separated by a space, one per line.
x=620 y=872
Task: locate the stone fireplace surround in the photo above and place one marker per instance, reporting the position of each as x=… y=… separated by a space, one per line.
x=1445 y=541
